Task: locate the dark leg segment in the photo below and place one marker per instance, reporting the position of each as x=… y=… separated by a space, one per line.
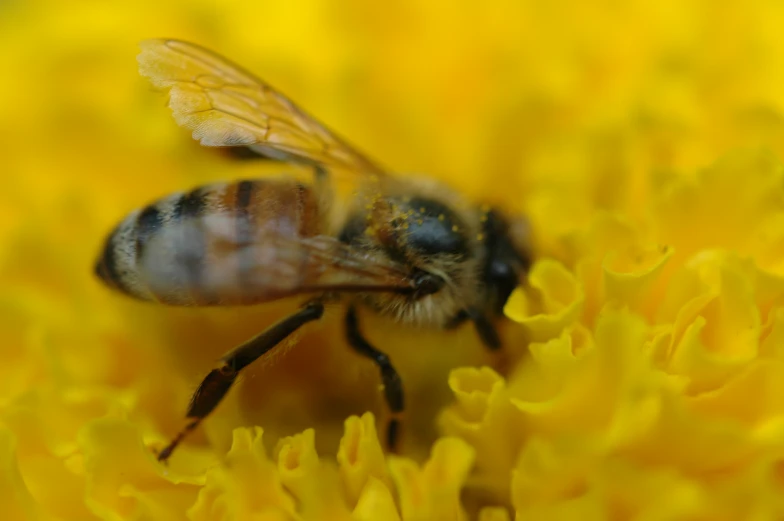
x=393 y=386
x=456 y=321
x=485 y=329
x=218 y=382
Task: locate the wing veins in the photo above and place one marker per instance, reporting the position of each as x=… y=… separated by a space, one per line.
x=221 y=71
x=299 y=136
x=231 y=113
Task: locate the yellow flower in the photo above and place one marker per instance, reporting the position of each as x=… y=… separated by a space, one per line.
x=643 y=365
x=665 y=400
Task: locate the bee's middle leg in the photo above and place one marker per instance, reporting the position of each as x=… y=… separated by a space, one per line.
x=393 y=385
x=218 y=382
x=484 y=327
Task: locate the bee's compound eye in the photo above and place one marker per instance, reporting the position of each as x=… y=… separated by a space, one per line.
x=427 y=284
x=432 y=228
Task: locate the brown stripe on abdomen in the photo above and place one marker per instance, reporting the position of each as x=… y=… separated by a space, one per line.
x=270 y=218
x=227 y=243
x=245 y=229
x=308 y=212
x=245 y=222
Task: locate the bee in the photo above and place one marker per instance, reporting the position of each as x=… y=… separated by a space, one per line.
x=408 y=248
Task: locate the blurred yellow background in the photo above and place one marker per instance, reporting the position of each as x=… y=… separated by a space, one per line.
x=555 y=109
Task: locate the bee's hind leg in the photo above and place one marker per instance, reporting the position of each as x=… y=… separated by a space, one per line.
x=393 y=385
x=218 y=382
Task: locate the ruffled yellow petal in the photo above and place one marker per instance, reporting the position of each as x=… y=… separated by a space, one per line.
x=303 y=486
x=493 y=514
x=361 y=458
x=761 y=380
x=641 y=372
x=657 y=494
x=630 y=276
x=619 y=265
x=554 y=302
x=17 y=501
x=123 y=478
x=717 y=332
x=246 y=484
x=726 y=206
x=483 y=416
x=609 y=370
x=433 y=492
x=314 y=484
x=375 y=503
x=772 y=338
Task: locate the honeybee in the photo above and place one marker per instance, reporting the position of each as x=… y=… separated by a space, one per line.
x=409 y=248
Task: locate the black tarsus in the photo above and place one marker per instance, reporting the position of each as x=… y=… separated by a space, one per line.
x=393 y=433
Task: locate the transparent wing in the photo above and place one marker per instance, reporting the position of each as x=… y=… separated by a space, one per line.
x=227 y=106
x=203 y=261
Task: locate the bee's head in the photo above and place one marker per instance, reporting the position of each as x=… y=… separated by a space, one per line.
x=419 y=232
x=430 y=239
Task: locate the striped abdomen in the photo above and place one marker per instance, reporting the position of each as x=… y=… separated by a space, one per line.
x=228 y=243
